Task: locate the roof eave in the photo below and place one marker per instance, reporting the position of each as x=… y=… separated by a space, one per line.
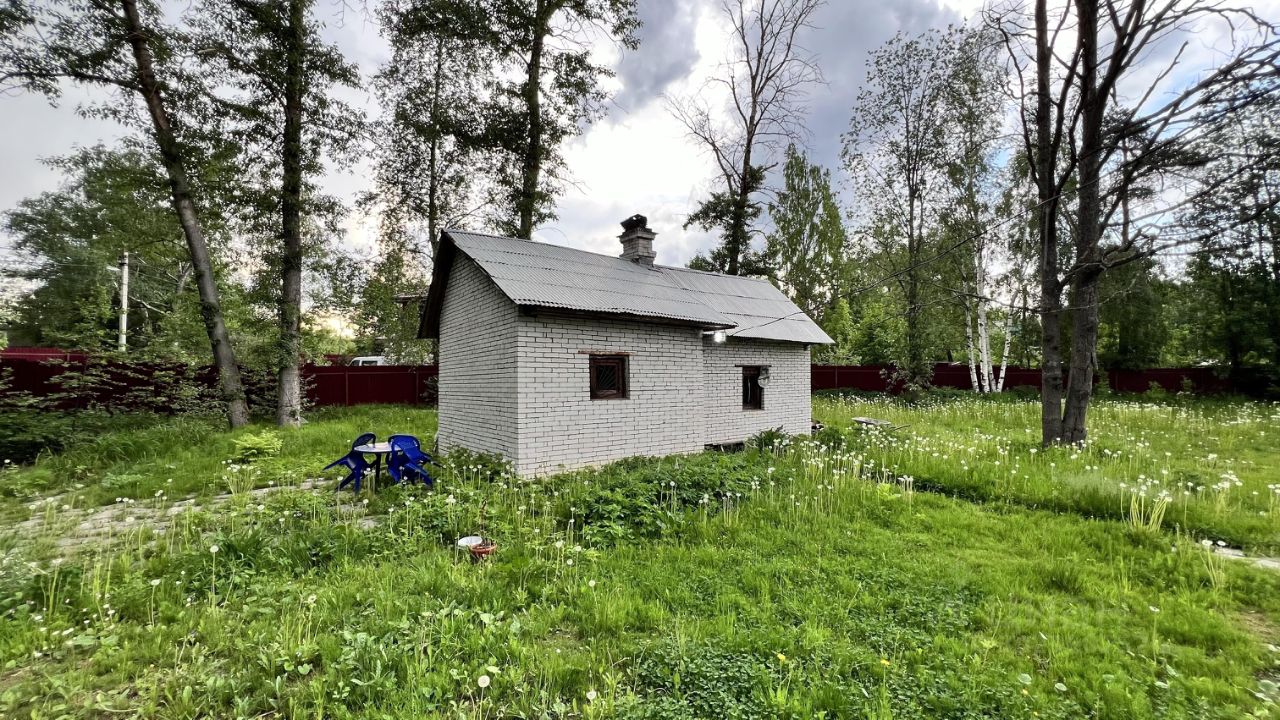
x=442 y=263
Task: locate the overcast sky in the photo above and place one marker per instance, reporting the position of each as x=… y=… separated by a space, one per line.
x=637 y=160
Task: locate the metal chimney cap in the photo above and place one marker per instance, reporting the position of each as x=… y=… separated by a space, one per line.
x=635 y=222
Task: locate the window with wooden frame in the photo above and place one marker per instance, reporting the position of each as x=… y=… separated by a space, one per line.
x=752 y=392
x=608 y=377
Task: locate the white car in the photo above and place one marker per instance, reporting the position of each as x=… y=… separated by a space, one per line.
x=365 y=360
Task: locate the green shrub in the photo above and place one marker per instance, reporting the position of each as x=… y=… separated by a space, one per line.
x=769 y=440
x=254 y=446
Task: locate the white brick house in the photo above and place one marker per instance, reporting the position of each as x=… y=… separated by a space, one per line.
x=559 y=358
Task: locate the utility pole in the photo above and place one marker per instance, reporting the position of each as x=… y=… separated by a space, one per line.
x=124 y=301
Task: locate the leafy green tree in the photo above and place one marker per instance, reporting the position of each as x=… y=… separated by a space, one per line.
x=275 y=83
x=546 y=90
x=897 y=153
x=390 y=304
x=69 y=240
x=431 y=141
x=1133 y=326
x=806 y=247
x=120 y=46
x=837 y=321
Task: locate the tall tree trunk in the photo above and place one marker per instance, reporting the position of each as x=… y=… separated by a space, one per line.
x=433 y=154
x=1004 y=356
x=973 y=353
x=1086 y=269
x=224 y=357
x=289 y=386
x=984 y=333
x=738 y=242
x=531 y=167
x=1051 y=390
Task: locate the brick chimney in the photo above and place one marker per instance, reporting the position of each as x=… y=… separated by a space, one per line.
x=637 y=240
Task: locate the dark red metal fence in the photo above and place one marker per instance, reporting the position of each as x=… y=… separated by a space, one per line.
x=352 y=385
x=143 y=384
x=874 y=378
x=133 y=384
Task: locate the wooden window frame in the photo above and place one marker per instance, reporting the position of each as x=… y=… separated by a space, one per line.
x=619 y=362
x=752 y=393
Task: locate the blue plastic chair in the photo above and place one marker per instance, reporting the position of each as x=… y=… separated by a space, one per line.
x=354 y=461
x=407 y=455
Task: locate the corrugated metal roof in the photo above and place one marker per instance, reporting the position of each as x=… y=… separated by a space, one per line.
x=538 y=274
x=757 y=308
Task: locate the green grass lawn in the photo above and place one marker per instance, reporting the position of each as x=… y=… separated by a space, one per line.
x=1215 y=463
x=798 y=581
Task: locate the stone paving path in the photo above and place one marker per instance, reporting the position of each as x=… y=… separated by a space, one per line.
x=76 y=528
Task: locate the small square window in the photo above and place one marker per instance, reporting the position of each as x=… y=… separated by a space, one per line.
x=752 y=391
x=608 y=377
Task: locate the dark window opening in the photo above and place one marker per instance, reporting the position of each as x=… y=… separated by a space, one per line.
x=608 y=377
x=752 y=392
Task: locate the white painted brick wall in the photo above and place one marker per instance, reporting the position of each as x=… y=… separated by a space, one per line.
x=786 y=398
x=477 y=355
x=561 y=427
x=684 y=391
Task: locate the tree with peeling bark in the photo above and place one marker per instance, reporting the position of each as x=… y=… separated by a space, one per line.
x=765 y=81
x=120 y=46
x=1098 y=123
x=275 y=88
x=974 y=109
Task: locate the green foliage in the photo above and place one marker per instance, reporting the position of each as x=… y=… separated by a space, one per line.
x=387 y=322
x=809 y=587
x=731 y=213
x=256 y=446
x=806 y=249
x=70 y=240
x=1133 y=327
x=771 y=440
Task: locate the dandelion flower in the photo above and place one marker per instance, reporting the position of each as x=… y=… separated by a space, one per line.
x=885 y=662
x=214 y=549
x=591 y=696
x=782 y=658
x=483 y=681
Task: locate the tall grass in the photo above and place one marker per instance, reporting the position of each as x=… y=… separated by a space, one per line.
x=1208 y=467
x=809 y=579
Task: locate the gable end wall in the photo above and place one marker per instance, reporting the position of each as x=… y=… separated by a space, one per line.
x=477 y=381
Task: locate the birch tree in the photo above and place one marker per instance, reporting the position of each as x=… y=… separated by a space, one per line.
x=974 y=108
x=897 y=153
